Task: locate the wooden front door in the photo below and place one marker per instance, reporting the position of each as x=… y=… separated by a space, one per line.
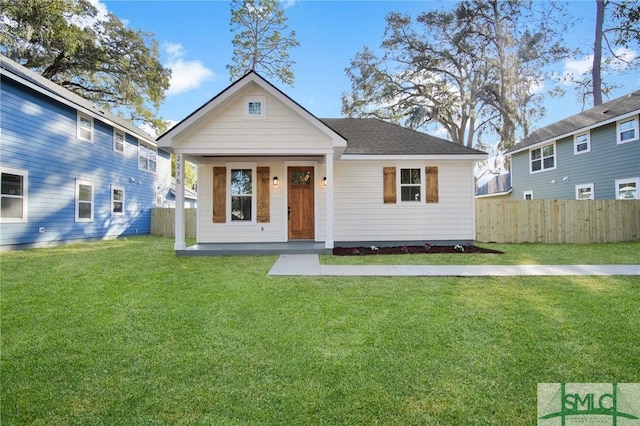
x=301 y=203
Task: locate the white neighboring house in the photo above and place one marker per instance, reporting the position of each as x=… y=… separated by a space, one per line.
x=270 y=171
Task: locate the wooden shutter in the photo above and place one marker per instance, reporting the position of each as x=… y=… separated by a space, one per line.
x=389 y=183
x=219 y=195
x=432 y=184
x=263 y=194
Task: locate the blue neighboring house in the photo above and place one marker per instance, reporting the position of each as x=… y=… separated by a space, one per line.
x=71 y=171
x=591 y=155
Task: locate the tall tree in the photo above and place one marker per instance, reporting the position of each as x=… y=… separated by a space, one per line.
x=624 y=26
x=260 y=42
x=99 y=58
x=473 y=70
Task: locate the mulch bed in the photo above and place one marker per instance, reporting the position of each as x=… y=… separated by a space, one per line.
x=364 y=251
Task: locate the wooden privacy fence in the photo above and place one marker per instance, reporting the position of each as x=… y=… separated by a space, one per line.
x=510 y=221
x=163 y=220
x=557 y=221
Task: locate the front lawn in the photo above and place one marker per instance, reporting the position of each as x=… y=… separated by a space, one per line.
x=123 y=332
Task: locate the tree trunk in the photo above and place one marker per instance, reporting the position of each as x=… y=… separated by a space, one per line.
x=596 y=69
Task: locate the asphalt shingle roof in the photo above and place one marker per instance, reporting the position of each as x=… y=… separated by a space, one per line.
x=371 y=136
x=602 y=113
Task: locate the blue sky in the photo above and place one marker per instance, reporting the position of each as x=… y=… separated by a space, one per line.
x=195 y=42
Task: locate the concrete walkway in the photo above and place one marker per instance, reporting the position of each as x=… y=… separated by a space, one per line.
x=309 y=265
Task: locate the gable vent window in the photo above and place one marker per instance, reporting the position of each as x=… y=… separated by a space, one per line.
x=255 y=107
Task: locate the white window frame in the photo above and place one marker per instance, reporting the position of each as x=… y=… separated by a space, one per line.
x=620 y=182
x=147 y=149
x=527 y=193
x=248 y=100
x=78 y=201
x=113 y=200
x=576 y=143
x=636 y=132
x=254 y=201
x=80 y=127
x=542 y=158
x=588 y=186
x=117 y=133
x=24 y=196
x=400 y=185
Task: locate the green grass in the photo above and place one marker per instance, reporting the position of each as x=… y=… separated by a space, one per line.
x=123 y=332
x=514 y=254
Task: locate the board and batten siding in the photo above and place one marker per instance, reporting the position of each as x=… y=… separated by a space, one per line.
x=39 y=136
x=606 y=162
x=228 y=129
x=361 y=214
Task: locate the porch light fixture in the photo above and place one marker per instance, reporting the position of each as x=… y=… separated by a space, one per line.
x=324 y=181
x=276 y=183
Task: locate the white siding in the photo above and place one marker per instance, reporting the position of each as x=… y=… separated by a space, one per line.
x=361 y=215
x=228 y=129
x=275 y=230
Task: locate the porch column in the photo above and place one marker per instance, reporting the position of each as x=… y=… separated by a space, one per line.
x=179 y=243
x=328 y=239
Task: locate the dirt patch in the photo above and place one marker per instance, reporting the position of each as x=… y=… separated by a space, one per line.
x=426 y=249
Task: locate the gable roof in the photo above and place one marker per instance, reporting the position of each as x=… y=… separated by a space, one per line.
x=23 y=75
x=600 y=115
x=371 y=136
x=226 y=94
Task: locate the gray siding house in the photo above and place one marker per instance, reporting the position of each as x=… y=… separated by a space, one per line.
x=591 y=155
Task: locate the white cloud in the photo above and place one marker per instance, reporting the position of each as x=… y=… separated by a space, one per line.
x=185 y=75
x=578 y=66
x=626 y=56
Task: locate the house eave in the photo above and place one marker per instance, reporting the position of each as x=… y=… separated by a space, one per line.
x=93 y=113
x=429 y=157
x=574 y=132
x=496 y=194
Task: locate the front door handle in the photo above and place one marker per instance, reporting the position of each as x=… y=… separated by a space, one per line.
x=289 y=213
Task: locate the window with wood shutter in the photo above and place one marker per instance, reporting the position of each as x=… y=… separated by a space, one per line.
x=389 y=183
x=411 y=184
x=219 y=194
x=432 y=184
x=264 y=207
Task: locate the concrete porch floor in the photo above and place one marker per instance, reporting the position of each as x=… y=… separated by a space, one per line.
x=254 y=249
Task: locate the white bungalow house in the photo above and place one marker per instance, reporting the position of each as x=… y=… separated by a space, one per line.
x=269 y=171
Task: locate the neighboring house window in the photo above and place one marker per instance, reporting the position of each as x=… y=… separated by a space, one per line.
x=85 y=127
x=117 y=200
x=241 y=193
x=581 y=143
x=13 y=195
x=543 y=158
x=627 y=189
x=255 y=106
x=411 y=185
x=627 y=130
x=84 y=201
x=585 y=192
x=118 y=141
x=147 y=158
x=527 y=195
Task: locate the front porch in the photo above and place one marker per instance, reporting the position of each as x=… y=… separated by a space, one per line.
x=254 y=249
